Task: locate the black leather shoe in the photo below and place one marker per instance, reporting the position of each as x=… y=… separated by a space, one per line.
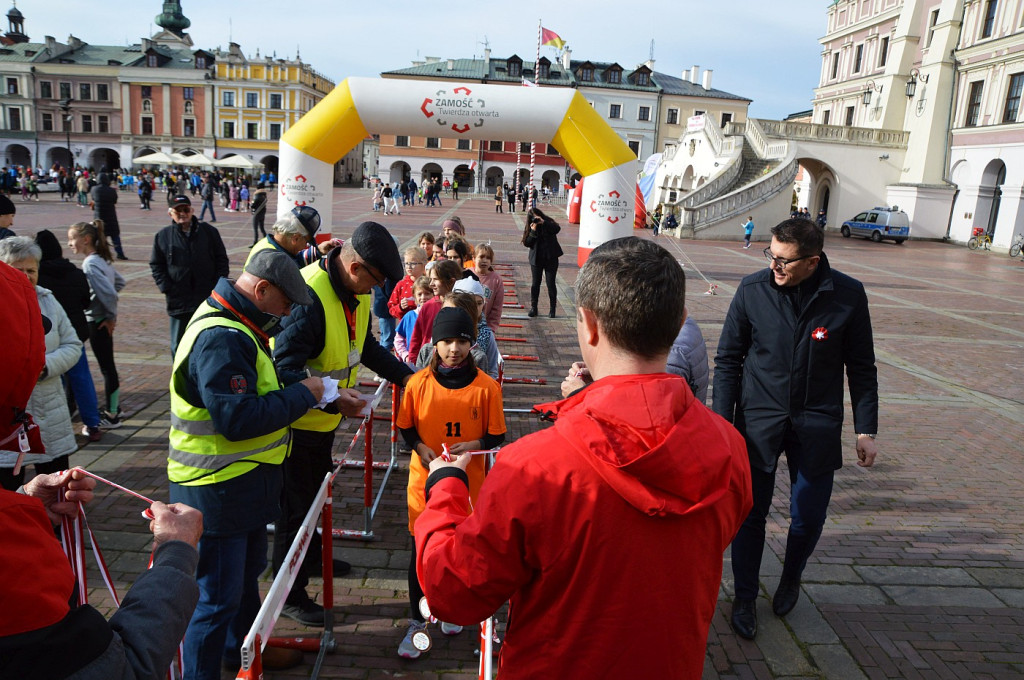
x=532 y=312
x=744 y=618
x=304 y=610
x=785 y=597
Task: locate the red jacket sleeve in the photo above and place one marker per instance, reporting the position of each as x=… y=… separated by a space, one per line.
x=497 y=304
x=468 y=565
x=402 y=290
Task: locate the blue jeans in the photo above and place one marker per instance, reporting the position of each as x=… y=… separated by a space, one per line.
x=80 y=380
x=229 y=599
x=387 y=327
x=202 y=214
x=808 y=505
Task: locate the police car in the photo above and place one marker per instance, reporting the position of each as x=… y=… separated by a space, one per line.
x=879 y=224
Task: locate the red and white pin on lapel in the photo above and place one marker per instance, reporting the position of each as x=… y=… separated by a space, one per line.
x=820 y=334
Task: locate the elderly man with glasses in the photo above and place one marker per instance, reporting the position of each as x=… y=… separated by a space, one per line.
x=330 y=338
x=295 y=233
x=187 y=260
x=790 y=332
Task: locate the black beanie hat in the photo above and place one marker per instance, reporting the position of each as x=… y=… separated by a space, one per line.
x=452 y=322
x=6 y=206
x=49 y=245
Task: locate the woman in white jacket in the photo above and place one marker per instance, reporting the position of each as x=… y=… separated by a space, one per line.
x=47 y=405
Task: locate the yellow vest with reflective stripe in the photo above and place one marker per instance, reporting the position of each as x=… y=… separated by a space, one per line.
x=263 y=244
x=197 y=454
x=333 y=360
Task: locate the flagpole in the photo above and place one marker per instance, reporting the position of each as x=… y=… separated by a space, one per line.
x=536 y=81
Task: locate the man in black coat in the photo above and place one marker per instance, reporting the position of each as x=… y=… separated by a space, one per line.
x=102 y=199
x=188 y=259
x=790 y=332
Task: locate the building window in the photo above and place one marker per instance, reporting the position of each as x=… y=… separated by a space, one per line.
x=103 y=124
x=933 y=19
x=672 y=117
x=835 y=66
x=615 y=110
x=643 y=79
x=188 y=127
x=614 y=76
x=45 y=90
x=86 y=123
x=252 y=130
x=858 y=57
x=12 y=86
x=47 y=122
x=147 y=105
x=252 y=100
x=188 y=93
x=147 y=91
x=276 y=101
x=151 y=61
x=552 y=151
x=14 y=119
x=883 y=52
x=635 y=148
x=200 y=61
x=229 y=129
x=495 y=146
x=587 y=74
x=147 y=125
x=464 y=144
x=974 y=103
x=1012 y=107
x=189 y=107
x=228 y=98
x=698 y=112
x=401 y=140
x=990 y=18
x=645 y=113
x=515 y=68
x=275 y=131
x=726 y=119
x=543 y=70
x=825 y=117
x=524 y=147
x=433 y=143
x=849 y=115
x=85 y=91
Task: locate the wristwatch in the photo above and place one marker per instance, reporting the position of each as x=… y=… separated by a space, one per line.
x=865 y=434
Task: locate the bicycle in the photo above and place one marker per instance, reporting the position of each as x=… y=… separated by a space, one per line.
x=1018 y=244
x=979 y=239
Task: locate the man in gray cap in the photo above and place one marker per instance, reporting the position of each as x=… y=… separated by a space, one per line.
x=230 y=419
x=295 y=234
x=330 y=337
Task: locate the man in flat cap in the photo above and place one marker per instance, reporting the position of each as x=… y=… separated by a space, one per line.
x=230 y=418
x=295 y=234
x=187 y=259
x=330 y=337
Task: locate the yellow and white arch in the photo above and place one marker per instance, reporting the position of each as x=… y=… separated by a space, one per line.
x=558 y=116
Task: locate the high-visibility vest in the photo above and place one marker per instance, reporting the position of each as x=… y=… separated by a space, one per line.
x=197 y=454
x=333 y=360
x=263 y=244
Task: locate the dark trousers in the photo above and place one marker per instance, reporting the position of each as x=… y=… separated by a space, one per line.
x=11 y=481
x=808 y=506
x=179 y=323
x=257 y=225
x=103 y=349
x=415 y=589
x=548 y=269
x=304 y=471
x=116 y=240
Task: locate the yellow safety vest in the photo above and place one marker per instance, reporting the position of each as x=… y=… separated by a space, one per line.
x=263 y=244
x=333 y=360
x=197 y=454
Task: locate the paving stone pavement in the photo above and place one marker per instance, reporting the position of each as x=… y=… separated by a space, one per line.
x=918 y=573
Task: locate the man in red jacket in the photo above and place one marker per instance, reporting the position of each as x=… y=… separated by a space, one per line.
x=607 y=530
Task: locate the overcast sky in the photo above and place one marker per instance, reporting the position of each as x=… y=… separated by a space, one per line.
x=765 y=51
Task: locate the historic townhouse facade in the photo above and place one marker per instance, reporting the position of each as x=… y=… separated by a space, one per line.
x=951 y=74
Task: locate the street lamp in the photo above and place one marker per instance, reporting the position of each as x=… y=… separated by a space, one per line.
x=915 y=75
x=871 y=87
x=65 y=106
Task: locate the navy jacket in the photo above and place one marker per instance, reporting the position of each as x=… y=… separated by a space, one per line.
x=777 y=368
x=302 y=335
x=186 y=266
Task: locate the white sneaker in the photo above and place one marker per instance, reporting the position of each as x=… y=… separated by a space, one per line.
x=416 y=640
x=450 y=628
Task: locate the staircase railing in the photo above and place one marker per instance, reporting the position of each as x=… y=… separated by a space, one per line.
x=831 y=133
x=762 y=146
x=742 y=200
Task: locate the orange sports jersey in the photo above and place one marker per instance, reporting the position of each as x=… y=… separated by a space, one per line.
x=445 y=416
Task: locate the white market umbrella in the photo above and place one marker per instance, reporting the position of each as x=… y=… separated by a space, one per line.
x=237 y=161
x=158 y=158
x=193 y=160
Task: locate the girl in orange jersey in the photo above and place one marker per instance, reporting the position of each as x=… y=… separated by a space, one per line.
x=449 y=402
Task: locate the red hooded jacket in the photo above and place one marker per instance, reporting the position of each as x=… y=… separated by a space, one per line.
x=605 y=531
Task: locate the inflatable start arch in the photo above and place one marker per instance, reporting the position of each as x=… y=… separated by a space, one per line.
x=558 y=116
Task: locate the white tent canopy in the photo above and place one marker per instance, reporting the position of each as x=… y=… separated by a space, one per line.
x=237 y=161
x=193 y=160
x=158 y=158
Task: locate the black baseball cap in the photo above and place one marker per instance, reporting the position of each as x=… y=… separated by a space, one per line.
x=178 y=201
x=310 y=219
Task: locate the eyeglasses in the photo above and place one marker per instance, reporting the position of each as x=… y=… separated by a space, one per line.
x=781 y=262
x=370 y=272
x=410 y=265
